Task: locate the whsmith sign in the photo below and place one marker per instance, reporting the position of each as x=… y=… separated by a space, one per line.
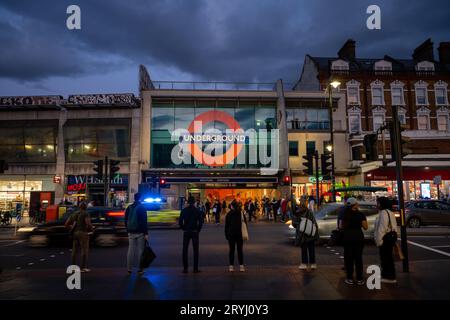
x=81 y=99
x=77 y=184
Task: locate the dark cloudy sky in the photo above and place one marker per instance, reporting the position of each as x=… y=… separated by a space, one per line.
x=209 y=40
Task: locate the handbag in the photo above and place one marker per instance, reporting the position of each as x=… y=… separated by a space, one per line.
x=147 y=256
x=336 y=238
x=244 y=229
x=391 y=237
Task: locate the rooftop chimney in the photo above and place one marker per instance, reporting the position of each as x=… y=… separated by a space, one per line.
x=348 y=50
x=444 y=53
x=424 y=51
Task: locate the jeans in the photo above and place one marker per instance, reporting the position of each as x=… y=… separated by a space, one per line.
x=187 y=236
x=136 y=242
x=387 y=262
x=309 y=252
x=80 y=240
x=353 y=259
x=217 y=216
x=239 y=243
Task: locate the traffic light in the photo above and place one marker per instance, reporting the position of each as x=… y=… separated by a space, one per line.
x=3 y=166
x=404 y=150
x=98 y=167
x=309 y=171
x=370 y=143
x=113 y=167
x=326 y=165
x=287 y=180
x=163 y=183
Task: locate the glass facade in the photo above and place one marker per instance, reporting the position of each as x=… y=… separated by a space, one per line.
x=89 y=140
x=28 y=142
x=307 y=119
x=168 y=116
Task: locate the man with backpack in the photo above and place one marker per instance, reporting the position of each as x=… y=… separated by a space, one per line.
x=191 y=222
x=137 y=228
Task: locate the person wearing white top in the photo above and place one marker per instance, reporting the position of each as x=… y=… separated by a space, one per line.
x=384 y=224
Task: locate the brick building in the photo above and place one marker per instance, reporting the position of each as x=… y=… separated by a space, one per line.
x=418 y=86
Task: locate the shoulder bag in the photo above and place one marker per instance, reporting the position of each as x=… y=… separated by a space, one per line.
x=390 y=238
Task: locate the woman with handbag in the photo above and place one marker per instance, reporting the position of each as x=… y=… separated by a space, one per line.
x=385 y=234
x=236 y=232
x=306 y=236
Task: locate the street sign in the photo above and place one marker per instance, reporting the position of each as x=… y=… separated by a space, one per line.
x=18 y=217
x=313 y=179
x=437 y=179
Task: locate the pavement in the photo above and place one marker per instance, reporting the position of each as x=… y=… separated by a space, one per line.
x=271 y=263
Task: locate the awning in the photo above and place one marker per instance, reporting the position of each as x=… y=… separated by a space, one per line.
x=409 y=173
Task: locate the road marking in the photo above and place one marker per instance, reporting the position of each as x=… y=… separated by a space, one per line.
x=18 y=268
x=341 y=257
x=30 y=263
x=429 y=248
x=336 y=253
x=42 y=259
x=447 y=246
x=13 y=244
x=52 y=256
x=62 y=252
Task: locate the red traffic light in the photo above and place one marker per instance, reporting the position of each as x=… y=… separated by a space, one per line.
x=287 y=179
x=162 y=181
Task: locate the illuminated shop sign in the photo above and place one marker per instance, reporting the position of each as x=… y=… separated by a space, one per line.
x=81 y=99
x=79 y=183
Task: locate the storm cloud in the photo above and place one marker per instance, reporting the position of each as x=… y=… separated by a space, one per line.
x=205 y=40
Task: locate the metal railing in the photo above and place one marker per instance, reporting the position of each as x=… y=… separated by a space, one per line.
x=217 y=86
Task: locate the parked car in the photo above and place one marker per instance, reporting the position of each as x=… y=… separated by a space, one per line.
x=109 y=227
x=427 y=212
x=326 y=219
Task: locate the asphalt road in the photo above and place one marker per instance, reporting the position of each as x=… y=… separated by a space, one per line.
x=268 y=253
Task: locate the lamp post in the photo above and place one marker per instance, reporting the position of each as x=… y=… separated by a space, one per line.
x=333 y=84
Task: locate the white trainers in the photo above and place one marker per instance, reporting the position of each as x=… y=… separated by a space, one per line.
x=303 y=266
x=241 y=268
x=231 y=268
x=313 y=266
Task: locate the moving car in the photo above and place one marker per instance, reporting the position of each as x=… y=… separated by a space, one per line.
x=109 y=227
x=326 y=219
x=427 y=212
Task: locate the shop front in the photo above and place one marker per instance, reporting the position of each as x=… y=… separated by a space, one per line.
x=306 y=186
x=418 y=183
x=20 y=193
x=89 y=188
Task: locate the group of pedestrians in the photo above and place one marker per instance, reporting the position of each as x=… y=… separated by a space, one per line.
x=211 y=210
x=351 y=223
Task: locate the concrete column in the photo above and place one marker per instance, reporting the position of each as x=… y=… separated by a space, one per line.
x=134 y=171
x=60 y=157
x=284 y=144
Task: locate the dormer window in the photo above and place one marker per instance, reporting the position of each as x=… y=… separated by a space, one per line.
x=340 y=65
x=425 y=66
x=383 y=65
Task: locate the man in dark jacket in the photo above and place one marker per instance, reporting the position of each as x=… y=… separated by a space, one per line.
x=191 y=222
x=137 y=228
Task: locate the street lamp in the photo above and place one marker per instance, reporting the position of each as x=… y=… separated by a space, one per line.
x=333 y=84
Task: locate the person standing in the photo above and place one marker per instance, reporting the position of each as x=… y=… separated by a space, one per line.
x=307 y=242
x=191 y=222
x=224 y=208
x=217 y=208
x=311 y=203
x=251 y=209
x=275 y=207
x=385 y=224
x=233 y=234
x=208 y=209
x=137 y=228
x=351 y=224
x=80 y=224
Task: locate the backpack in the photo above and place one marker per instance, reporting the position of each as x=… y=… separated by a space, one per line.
x=133 y=223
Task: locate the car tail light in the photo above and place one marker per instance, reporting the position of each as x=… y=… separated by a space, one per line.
x=115 y=213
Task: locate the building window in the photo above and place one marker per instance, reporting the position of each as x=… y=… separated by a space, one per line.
x=293 y=148
x=339 y=65
x=378 y=121
x=354 y=123
x=402 y=118
x=421 y=96
x=443 y=122
x=382 y=66
x=310 y=147
x=441 y=96
x=357 y=153
x=377 y=96
x=422 y=122
x=397 y=96
x=307 y=119
x=425 y=66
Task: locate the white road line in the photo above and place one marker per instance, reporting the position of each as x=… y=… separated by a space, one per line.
x=30 y=263
x=42 y=259
x=336 y=253
x=13 y=244
x=62 y=252
x=429 y=248
x=447 y=246
x=18 y=268
x=341 y=257
x=52 y=256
